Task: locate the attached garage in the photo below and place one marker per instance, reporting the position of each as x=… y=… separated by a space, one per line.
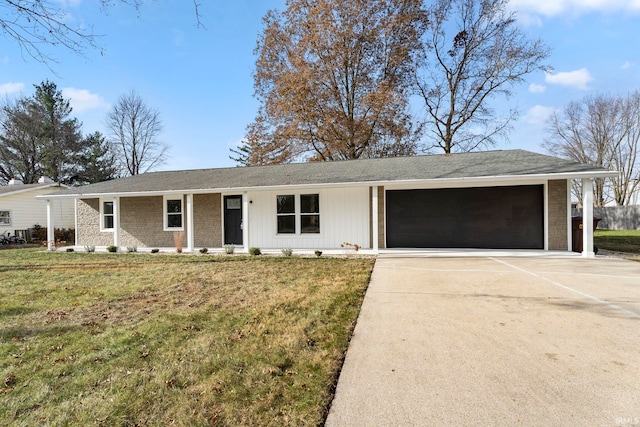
x=509 y=217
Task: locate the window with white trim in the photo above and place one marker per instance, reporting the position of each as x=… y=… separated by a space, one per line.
x=107 y=215
x=5 y=218
x=309 y=213
x=173 y=213
x=298 y=214
x=286 y=212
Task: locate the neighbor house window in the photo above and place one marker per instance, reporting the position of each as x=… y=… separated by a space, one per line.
x=173 y=216
x=298 y=214
x=309 y=213
x=286 y=212
x=5 y=218
x=107 y=215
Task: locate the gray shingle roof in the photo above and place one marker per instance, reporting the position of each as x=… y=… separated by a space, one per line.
x=506 y=163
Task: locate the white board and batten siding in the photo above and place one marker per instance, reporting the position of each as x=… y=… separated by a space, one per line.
x=344 y=217
x=27 y=211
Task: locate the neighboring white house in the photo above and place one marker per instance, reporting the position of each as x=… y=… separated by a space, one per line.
x=20 y=210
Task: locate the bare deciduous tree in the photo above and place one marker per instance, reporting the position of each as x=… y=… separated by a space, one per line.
x=603 y=131
x=135 y=128
x=475 y=52
x=41 y=24
x=333 y=78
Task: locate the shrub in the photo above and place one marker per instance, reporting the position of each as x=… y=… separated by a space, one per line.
x=112 y=248
x=204 y=250
x=287 y=251
x=255 y=251
x=69 y=249
x=318 y=253
x=229 y=249
x=155 y=250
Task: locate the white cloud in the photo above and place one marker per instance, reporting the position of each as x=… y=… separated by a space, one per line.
x=8 y=88
x=538 y=114
x=578 y=79
x=627 y=65
x=83 y=100
x=534 y=88
x=573 y=7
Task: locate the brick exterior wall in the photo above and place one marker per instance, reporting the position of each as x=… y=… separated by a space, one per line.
x=142 y=222
x=557 y=196
x=88 y=232
x=207 y=220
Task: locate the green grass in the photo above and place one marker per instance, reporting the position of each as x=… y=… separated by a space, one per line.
x=618 y=240
x=140 y=339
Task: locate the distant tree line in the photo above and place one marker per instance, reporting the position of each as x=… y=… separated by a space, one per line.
x=39 y=137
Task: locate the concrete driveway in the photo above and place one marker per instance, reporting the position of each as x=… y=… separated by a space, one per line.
x=494 y=341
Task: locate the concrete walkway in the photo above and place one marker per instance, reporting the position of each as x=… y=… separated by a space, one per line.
x=494 y=341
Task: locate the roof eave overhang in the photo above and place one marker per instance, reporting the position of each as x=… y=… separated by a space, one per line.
x=437 y=182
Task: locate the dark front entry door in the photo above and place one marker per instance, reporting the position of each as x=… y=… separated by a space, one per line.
x=233 y=220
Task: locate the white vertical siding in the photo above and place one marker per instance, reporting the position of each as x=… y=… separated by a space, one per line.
x=344 y=217
x=26 y=210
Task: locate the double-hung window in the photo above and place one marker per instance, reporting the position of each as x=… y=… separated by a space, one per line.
x=5 y=218
x=173 y=215
x=107 y=215
x=309 y=213
x=286 y=212
x=298 y=214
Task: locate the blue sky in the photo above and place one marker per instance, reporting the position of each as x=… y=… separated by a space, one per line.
x=200 y=80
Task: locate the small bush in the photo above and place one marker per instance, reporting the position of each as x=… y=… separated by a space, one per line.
x=131 y=249
x=318 y=253
x=204 y=250
x=229 y=249
x=255 y=251
x=287 y=251
x=69 y=249
x=89 y=248
x=112 y=248
x=155 y=250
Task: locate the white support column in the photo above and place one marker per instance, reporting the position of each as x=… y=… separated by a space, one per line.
x=374 y=218
x=569 y=218
x=545 y=198
x=587 y=218
x=116 y=222
x=190 y=228
x=245 y=222
x=75 y=221
x=50 y=230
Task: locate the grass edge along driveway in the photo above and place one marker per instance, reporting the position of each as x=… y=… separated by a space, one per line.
x=137 y=339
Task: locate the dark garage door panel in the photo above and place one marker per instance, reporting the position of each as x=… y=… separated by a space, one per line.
x=483 y=217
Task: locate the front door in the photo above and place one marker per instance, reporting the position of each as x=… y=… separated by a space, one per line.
x=233 y=220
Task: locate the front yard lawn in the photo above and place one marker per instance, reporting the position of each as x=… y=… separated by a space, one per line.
x=618 y=240
x=140 y=339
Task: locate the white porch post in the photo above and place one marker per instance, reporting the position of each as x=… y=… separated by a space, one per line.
x=569 y=218
x=50 y=231
x=245 y=222
x=374 y=218
x=190 y=227
x=587 y=218
x=116 y=222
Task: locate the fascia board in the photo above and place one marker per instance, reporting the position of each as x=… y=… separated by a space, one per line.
x=438 y=182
